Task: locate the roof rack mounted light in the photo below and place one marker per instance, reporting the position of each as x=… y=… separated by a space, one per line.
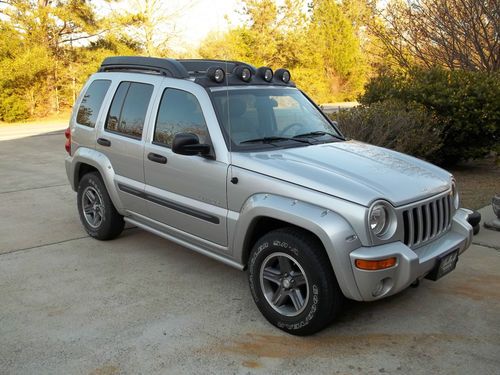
x=201 y=66
x=167 y=67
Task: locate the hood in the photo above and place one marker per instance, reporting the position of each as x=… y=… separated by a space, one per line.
x=351 y=170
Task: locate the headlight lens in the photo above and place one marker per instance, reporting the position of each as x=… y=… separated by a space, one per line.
x=243 y=72
x=382 y=220
x=454 y=195
x=283 y=75
x=378 y=219
x=265 y=73
x=216 y=74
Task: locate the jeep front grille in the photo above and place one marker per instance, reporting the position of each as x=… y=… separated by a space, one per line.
x=425 y=221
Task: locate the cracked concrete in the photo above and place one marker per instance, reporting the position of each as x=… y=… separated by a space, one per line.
x=140 y=304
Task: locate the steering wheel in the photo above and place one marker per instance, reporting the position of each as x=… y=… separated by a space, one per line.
x=297 y=125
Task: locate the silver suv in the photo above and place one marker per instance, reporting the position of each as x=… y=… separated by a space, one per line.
x=236 y=163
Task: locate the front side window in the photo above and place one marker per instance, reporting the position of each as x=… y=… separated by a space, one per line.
x=127 y=113
x=179 y=112
x=92 y=102
x=256 y=118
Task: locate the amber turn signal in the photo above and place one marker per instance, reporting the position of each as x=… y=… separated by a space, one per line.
x=373 y=265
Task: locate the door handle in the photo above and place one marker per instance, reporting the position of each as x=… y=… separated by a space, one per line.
x=157 y=158
x=104 y=142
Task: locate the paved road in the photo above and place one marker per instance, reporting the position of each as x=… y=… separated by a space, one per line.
x=9 y=132
x=142 y=305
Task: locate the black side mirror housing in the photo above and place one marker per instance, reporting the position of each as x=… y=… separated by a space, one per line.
x=189 y=144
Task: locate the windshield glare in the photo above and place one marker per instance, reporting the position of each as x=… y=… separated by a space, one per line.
x=249 y=114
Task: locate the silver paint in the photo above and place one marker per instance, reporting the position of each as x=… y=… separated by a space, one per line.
x=326 y=189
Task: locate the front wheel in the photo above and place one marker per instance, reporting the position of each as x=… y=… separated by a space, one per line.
x=292 y=281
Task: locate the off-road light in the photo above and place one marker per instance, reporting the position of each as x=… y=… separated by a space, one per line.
x=283 y=75
x=216 y=74
x=265 y=73
x=244 y=73
x=454 y=195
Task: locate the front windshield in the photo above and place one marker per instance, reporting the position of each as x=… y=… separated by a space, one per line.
x=265 y=117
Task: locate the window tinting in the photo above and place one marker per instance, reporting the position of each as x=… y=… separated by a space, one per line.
x=179 y=112
x=248 y=114
x=128 y=109
x=116 y=106
x=91 y=102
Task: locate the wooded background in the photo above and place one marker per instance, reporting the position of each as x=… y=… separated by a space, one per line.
x=396 y=51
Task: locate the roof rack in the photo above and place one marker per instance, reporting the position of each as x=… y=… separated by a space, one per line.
x=167 y=67
x=194 y=69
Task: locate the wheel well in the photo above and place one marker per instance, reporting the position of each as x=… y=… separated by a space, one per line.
x=83 y=169
x=262 y=225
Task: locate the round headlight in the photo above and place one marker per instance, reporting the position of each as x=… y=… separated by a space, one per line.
x=265 y=73
x=454 y=195
x=216 y=74
x=283 y=75
x=378 y=220
x=382 y=220
x=244 y=73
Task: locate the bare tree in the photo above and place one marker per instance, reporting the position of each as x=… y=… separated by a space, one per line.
x=155 y=23
x=455 y=34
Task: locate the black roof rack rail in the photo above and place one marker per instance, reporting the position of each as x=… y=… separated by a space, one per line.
x=167 y=67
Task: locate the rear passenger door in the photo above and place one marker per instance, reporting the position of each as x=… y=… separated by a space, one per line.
x=187 y=193
x=121 y=138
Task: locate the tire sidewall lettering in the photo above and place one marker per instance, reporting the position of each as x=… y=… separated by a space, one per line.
x=254 y=282
x=309 y=316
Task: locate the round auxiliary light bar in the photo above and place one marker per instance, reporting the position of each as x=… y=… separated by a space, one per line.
x=265 y=73
x=244 y=73
x=283 y=75
x=216 y=74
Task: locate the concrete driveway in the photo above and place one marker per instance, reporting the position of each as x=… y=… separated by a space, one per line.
x=143 y=305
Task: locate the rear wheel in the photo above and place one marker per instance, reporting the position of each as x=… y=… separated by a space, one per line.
x=292 y=281
x=97 y=212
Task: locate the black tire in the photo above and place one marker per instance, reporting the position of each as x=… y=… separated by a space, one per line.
x=111 y=223
x=322 y=297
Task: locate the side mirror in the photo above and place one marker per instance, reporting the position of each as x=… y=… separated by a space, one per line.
x=189 y=144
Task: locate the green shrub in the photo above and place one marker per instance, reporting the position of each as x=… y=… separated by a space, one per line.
x=12 y=107
x=407 y=128
x=466 y=106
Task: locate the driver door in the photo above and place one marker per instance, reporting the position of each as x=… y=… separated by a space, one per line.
x=186 y=193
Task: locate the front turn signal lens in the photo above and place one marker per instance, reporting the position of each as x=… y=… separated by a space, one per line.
x=374 y=265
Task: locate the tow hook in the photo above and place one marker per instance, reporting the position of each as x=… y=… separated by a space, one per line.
x=474 y=219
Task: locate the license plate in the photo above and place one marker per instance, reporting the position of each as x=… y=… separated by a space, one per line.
x=444 y=266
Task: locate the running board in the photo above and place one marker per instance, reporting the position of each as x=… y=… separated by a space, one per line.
x=186 y=244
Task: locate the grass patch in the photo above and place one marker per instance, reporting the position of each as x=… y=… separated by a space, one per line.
x=477 y=182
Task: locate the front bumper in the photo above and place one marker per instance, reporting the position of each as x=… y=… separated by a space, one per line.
x=412 y=264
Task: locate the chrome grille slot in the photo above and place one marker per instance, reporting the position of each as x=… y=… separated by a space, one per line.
x=425 y=221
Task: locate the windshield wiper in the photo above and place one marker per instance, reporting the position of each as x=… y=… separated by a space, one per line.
x=275 y=139
x=316 y=133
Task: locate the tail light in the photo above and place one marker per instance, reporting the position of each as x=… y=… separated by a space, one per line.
x=67 y=145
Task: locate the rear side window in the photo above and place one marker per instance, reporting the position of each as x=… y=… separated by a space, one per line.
x=92 y=102
x=128 y=110
x=179 y=112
